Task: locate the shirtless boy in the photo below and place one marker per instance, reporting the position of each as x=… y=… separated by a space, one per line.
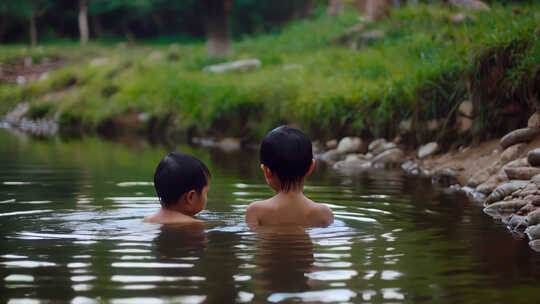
x=181 y=183
x=286 y=158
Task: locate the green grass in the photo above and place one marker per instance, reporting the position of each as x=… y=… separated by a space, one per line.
x=419 y=71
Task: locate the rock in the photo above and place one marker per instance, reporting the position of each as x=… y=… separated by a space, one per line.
x=434 y=125
x=517 y=222
x=229 y=144
x=527 y=209
x=522 y=173
x=331 y=156
x=21 y=80
x=464 y=124
x=524 y=135
x=458 y=18
x=474 y=5
x=368 y=156
x=533 y=218
x=384 y=147
x=375 y=144
x=533 y=232
x=428 y=149
x=390 y=157
x=351 y=157
x=473 y=194
x=534 y=120
x=156 y=55
x=479 y=178
x=511 y=153
x=533 y=157
x=535 y=245
x=28 y=62
x=405 y=126
x=536 y=180
x=99 y=61
x=357 y=164
x=446 y=176
x=408 y=166
x=502 y=207
x=349 y=144
x=492 y=183
x=15 y=115
x=505 y=189
x=520 y=162
x=240 y=65
x=331 y=144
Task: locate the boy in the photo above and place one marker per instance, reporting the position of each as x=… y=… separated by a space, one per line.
x=181 y=183
x=286 y=157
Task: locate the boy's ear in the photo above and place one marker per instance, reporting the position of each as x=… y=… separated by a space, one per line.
x=266 y=171
x=189 y=196
x=311 y=167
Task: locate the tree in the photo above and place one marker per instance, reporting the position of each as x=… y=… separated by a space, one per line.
x=29 y=10
x=83 y=21
x=217 y=27
x=335 y=8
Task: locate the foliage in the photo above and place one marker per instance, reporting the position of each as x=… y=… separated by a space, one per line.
x=418 y=71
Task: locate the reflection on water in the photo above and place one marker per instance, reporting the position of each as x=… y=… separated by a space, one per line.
x=71 y=231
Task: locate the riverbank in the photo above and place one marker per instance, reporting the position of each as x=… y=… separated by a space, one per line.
x=330 y=76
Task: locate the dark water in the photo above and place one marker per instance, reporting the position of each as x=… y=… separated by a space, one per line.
x=71 y=231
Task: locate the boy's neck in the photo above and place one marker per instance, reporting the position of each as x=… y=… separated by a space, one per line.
x=291 y=194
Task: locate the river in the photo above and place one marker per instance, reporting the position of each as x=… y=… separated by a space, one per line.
x=71 y=231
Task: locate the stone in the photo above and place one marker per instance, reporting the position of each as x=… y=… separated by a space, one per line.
x=351 y=157
x=375 y=144
x=535 y=245
x=428 y=149
x=446 y=176
x=390 y=157
x=466 y=109
x=533 y=157
x=479 y=178
x=464 y=124
x=28 y=62
x=229 y=144
x=368 y=156
x=533 y=218
x=524 y=135
x=357 y=164
x=331 y=156
x=332 y=144
x=504 y=190
x=523 y=173
x=502 y=207
x=405 y=126
x=349 y=144
x=517 y=222
x=527 y=209
x=474 y=5
x=240 y=65
x=384 y=147
x=533 y=232
x=536 y=180
x=156 y=55
x=492 y=183
x=434 y=125
x=534 y=120
x=99 y=61
x=511 y=153
x=520 y=162
x=458 y=18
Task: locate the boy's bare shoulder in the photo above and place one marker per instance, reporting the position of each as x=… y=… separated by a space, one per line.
x=324 y=214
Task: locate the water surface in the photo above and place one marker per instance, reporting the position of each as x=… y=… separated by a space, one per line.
x=71 y=231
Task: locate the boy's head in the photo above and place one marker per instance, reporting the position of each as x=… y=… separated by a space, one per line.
x=178 y=174
x=288 y=153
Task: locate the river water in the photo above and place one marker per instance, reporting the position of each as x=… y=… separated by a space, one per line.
x=71 y=231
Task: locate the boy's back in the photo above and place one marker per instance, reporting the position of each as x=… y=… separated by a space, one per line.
x=281 y=211
x=287 y=159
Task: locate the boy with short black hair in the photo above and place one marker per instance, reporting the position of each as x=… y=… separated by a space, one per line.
x=286 y=156
x=181 y=183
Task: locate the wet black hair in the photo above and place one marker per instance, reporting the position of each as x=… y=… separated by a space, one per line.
x=177 y=174
x=288 y=153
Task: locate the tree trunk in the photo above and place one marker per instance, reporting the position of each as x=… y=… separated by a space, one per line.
x=33 y=31
x=376 y=8
x=335 y=8
x=218 y=40
x=83 y=21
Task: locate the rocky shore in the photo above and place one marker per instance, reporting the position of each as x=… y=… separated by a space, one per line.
x=504 y=175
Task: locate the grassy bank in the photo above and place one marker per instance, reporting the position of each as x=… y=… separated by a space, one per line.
x=421 y=69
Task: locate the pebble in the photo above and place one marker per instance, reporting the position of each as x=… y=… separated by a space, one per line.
x=534 y=157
